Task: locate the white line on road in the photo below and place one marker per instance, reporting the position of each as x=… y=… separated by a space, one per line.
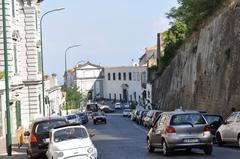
x=139 y=128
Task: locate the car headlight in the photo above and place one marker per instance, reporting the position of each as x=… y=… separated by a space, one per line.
x=90 y=150
x=59 y=154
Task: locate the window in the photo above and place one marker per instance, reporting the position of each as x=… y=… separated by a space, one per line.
x=39 y=62
x=110 y=97
x=232 y=117
x=109 y=76
x=114 y=76
x=15 y=58
x=138 y=76
x=120 y=95
x=134 y=76
x=119 y=76
x=115 y=96
x=13 y=8
x=130 y=76
x=124 y=76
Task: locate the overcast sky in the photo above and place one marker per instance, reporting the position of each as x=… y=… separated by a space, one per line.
x=110 y=32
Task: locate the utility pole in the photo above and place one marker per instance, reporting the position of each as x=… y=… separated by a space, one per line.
x=8 y=135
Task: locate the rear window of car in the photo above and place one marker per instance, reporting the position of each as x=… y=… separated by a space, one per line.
x=213 y=118
x=126 y=110
x=46 y=126
x=71 y=117
x=185 y=119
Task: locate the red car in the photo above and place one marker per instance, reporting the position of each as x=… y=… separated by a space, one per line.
x=107 y=109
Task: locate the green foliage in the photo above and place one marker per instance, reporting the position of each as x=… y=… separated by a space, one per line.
x=173 y=38
x=74 y=98
x=1 y=75
x=185 y=20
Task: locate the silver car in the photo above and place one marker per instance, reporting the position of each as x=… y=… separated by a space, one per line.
x=230 y=130
x=178 y=130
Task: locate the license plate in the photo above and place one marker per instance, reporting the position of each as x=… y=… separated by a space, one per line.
x=191 y=140
x=46 y=140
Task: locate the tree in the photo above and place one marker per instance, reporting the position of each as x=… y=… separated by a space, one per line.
x=74 y=97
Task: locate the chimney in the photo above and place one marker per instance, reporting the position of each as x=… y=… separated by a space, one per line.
x=158 y=48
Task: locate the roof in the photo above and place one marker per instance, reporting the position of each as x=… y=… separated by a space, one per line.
x=48 y=119
x=86 y=64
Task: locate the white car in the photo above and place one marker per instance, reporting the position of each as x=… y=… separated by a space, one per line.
x=71 y=141
x=117 y=106
x=126 y=106
x=74 y=119
x=127 y=112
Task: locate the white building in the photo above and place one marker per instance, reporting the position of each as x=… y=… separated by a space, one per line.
x=88 y=78
x=24 y=59
x=127 y=83
x=54 y=96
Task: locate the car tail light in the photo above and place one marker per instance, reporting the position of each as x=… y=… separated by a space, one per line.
x=207 y=128
x=33 y=138
x=170 y=130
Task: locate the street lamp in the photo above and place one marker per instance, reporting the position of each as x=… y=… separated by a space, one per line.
x=66 y=51
x=43 y=87
x=9 y=134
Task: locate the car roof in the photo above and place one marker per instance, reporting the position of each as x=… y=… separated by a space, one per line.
x=182 y=112
x=68 y=126
x=38 y=120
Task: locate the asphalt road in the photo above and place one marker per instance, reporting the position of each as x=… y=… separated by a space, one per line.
x=121 y=138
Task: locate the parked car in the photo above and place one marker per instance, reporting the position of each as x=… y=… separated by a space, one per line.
x=178 y=130
x=38 y=135
x=117 y=106
x=215 y=121
x=139 y=116
x=71 y=141
x=126 y=112
x=229 y=131
x=151 y=117
x=134 y=115
x=74 y=119
x=107 y=109
x=143 y=115
x=83 y=117
x=99 y=117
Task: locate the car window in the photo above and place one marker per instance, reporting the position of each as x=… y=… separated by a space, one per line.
x=212 y=118
x=238 y=118
x=185 y=119
x=69 y=134
x=232 y=117
x=48 y=125
x=162 y=120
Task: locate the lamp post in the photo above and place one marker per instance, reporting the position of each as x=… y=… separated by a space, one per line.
x=66 y=51
x=43 y=87
x=9 y=134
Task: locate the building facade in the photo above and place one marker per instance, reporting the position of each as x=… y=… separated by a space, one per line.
x=24 y=59
x=125 y=83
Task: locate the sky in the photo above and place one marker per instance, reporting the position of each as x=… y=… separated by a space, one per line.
x=111 y=33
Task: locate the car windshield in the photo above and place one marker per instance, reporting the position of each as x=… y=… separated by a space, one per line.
x=185 y=119
x=46 y=126
x=126 y=110
x=69 y=134
x=213 y=118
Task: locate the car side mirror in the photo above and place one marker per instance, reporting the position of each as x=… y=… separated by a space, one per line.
x=26 y=133
x=225 y=122
x=91 y=134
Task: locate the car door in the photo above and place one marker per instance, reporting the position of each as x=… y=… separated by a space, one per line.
x=159 y=130
x=236 y=128
x=153 y=129
x=228 y=132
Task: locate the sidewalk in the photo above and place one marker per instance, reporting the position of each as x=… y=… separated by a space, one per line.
x=17 y=153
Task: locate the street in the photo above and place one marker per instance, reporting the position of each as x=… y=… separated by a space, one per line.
x=121 y=138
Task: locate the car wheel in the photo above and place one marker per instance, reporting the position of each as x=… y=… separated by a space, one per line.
x=94 y=122
x=239 y=140
x=219 y=139
x=105 y=122
x=166 y=149
x=149 y=146
x=208 y=150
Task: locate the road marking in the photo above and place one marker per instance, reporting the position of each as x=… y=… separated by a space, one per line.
x=140 y=128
